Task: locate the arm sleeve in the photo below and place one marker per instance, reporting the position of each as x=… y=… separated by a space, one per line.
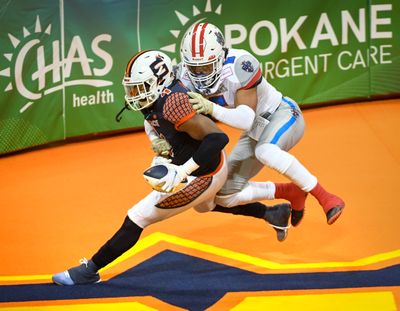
x=241 y=117
x=248 y=72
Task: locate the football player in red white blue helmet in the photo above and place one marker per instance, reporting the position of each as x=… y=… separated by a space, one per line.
x=203 y=53
x=228 y=85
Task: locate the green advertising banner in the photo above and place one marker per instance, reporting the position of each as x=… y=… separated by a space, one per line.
x=100 y=38
x=62 y=61
x=31 y=111
x=313 y=51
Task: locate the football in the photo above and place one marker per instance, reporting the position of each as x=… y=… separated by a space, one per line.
x=153 y=175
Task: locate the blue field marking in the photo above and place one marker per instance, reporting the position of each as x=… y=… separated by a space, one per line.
x=195 y=284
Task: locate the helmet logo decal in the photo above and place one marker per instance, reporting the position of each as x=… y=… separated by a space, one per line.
x=159 y=69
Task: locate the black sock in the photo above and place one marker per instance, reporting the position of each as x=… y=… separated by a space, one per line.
x=255 y=209
x=123 y=239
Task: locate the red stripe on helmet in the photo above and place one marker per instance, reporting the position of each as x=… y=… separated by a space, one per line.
x=202 y=39
x=194 y=40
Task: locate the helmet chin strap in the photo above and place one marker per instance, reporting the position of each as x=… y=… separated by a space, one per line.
x=118 y=117
x=211 y=89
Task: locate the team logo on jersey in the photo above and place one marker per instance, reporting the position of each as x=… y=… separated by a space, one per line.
x=159 y=68
x=295 y=113
x=247 y=66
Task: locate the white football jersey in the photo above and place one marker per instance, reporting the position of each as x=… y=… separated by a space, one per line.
x=241 y=70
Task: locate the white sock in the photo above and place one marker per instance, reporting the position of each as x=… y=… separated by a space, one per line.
x=253 y=192
x=301 y=176
x=286 y=164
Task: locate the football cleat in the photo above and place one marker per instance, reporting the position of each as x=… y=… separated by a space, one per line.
x=333 y=214
x=296 y=217
x=85 y=273
x=332 y=204
x=297 y=198
x=278 y=217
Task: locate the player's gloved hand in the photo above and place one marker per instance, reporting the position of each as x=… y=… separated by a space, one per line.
x=160 y=146
x=176 y=174
x=159 y=160
x=201 y=104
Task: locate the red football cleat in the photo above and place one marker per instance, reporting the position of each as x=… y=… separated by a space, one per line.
x=295 y=196
x=333 y=205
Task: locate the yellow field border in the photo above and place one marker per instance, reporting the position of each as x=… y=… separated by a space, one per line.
x=158 y=237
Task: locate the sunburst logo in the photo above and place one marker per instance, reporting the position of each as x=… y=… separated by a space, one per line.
x=186 y=22
x=29 y=69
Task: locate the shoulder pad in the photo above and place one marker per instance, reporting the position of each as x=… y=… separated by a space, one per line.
x=247 y=68
x=177 y=70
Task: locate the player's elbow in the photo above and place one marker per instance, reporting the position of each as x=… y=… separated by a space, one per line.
x=211 y=146
x=220 y=139
x=247 y=125
x=216 y=142
x=224 y=139
x=246 y=119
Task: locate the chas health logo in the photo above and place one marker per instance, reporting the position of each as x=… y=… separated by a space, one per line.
x=39 y=67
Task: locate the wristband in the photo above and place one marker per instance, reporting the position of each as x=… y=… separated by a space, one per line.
x=190 y=166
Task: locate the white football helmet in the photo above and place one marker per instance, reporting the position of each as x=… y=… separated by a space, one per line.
x=147 y=74
x=203 y=53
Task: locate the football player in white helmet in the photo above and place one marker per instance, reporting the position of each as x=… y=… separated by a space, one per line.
x=145 y=79
x=198 y=157
x=228 y=85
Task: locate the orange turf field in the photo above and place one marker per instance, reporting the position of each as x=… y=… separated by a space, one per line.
x=61 y=203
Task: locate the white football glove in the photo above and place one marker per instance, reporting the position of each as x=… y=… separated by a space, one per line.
x=176 y=174
x=201 y=104
x=160 y=146
x=158 y=160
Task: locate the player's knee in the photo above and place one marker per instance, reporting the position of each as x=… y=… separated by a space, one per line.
x=233 y=185
x=141 y=220
x=205 y=207
x=274 y=157
x=229 y=200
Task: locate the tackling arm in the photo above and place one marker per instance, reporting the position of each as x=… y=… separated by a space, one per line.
x=240 y=117
x=213 y=140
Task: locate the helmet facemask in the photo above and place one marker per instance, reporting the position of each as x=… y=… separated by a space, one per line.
x=140 y=95
x=204 y=75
